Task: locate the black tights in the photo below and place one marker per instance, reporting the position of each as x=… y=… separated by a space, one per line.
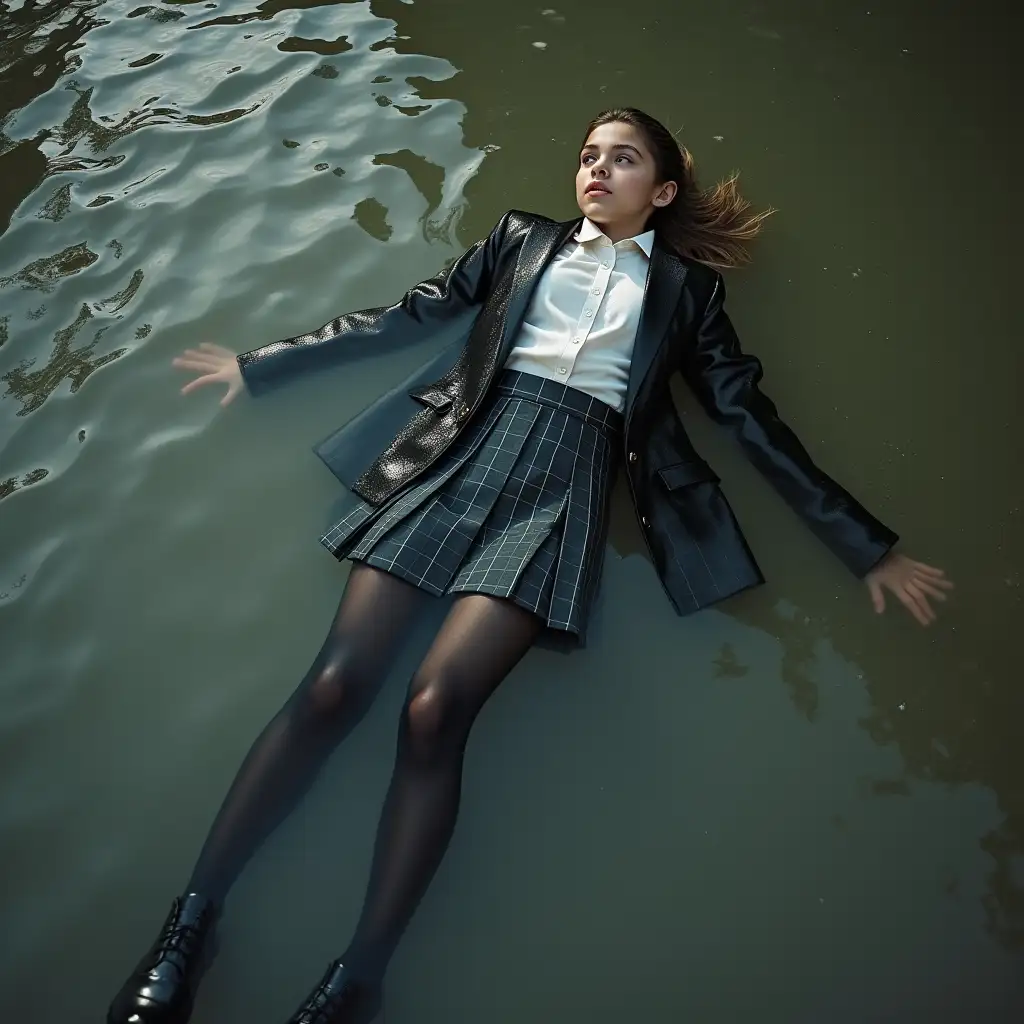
x=480 y=641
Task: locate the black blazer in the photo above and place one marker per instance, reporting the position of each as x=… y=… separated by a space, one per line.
x=695 y=542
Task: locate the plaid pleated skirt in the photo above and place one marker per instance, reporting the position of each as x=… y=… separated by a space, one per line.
x=517 y=507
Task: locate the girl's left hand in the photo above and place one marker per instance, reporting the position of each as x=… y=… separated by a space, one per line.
x=914 y=583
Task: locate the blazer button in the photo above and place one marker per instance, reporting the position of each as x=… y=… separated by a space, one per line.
x=643 y=520
x=632 y=456
x=462 y=412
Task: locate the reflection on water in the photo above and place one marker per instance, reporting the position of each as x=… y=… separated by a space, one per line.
x=786 y=791
x=65 y=363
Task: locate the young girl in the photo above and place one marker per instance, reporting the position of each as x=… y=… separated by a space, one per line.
x=493 y=485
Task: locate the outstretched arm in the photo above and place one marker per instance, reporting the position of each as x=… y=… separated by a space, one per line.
x=725 y=380
x=421 y=310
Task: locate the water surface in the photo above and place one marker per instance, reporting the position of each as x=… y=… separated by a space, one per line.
x=783 y=809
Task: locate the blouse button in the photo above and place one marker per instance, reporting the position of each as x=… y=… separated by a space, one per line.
x=562 y=369
x=588 y=312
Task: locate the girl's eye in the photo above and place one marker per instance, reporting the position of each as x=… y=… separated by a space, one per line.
x=587 y=157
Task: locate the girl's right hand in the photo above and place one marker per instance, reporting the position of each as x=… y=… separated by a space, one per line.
x=215 y=365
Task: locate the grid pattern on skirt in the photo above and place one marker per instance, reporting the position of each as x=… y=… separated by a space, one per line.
x=516 y=508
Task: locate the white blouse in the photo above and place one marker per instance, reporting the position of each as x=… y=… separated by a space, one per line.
x=581 y=323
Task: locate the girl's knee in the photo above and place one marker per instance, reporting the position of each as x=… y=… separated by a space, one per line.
x=432 y=718
x=426 y=711
x=335 y=687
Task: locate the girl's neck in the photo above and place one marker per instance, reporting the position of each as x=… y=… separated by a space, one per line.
x=622 y=230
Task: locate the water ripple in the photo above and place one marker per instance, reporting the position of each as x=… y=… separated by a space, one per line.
x=182 y=171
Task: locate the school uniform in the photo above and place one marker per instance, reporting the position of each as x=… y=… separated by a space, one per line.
x=496 y=458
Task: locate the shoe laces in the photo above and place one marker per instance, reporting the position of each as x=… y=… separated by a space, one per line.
x=323 y=1003
x=180 y=937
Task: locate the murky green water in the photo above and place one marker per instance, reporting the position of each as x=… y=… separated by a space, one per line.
x=783 y=810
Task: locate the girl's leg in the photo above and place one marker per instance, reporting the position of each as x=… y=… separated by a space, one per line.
x=479 y=643
x=339 y=687
x=341 y=684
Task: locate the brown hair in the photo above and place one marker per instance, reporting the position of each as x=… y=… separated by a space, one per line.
x=708 y=225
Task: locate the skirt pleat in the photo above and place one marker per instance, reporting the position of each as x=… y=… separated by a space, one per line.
x=516 y=508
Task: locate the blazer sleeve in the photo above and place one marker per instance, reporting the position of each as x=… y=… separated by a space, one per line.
x=422 y=309
x=725 y=380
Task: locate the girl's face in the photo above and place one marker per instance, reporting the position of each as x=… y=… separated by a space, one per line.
x=617 y=181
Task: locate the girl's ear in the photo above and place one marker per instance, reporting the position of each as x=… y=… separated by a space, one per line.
x=667 y=194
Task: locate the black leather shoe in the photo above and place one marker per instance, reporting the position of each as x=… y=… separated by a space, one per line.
x=162 y=986
x=339 y=999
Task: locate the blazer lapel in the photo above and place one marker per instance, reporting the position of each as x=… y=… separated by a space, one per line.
x=542 y=241
x=665 y=278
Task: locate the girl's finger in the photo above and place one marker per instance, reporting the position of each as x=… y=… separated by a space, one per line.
x=928 y=587
x=911 y=605
x=234 y=387
x=201 y=353
x=198 y=382
x=928 y=570
x=877 y=596
x=934 y=581
x=924 y=607
x=192 y=363
x=921 y=600
x=205 y=357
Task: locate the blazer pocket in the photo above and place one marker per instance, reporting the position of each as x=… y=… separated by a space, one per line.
x=683 y=474
x=433 y=396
